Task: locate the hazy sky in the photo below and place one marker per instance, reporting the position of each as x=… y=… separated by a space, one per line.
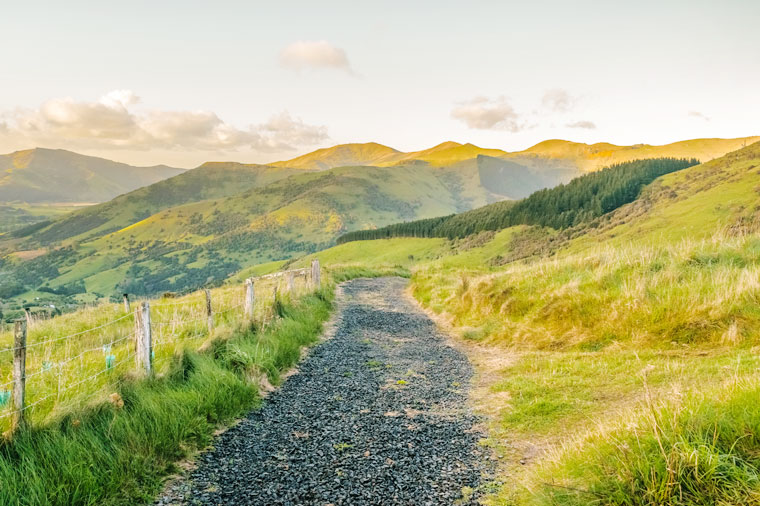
x=182 y=82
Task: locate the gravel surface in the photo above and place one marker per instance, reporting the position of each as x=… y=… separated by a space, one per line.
x=376 y=415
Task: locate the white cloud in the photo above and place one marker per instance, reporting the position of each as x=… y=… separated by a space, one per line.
x=110 y=122
x=558 y=100
x=313 y=54
x=119 y=98
x=483 y=113
x=697 y=114
x=590 y=125
x=284 y=132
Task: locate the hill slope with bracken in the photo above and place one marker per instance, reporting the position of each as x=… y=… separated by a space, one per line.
x=55 y=175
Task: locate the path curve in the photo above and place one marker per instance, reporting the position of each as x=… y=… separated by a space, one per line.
x=376 y=415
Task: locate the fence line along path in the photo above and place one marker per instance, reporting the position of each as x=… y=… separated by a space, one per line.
x=66 y=360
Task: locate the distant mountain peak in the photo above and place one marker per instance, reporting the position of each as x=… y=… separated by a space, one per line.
x=367 y=153
x=44 y=175
x=446 y=145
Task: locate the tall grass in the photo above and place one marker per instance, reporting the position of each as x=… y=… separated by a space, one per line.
x=690 y=292
x=578 y=326
x=76 y=356
x=116 y=447
x=697 y=450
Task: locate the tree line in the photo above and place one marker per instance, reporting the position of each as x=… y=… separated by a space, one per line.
x=580 y=201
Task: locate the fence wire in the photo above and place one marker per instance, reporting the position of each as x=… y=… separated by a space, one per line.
x=57 y=366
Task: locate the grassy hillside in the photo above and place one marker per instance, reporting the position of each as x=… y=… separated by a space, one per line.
x=519 y=173
x=19 y=215
x=55 y=176
x=342 y=155
x=142 y=243
x=447 y=154
x=372 y=153
x=211 y=180
x=720 y=195
x=623 y=368
x=589 y=157
x=572 y=205
x=194 y=228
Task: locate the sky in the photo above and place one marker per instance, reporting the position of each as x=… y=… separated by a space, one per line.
x=183 y=82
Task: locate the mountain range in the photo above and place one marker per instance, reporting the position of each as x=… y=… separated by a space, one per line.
x=57 y=176
x=45 y=176
x=203 y=224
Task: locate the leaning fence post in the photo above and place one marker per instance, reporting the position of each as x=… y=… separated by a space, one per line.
x=209 y=312
x=126 y=302
x=315 y=273
x=291 y=282
x=249 y=298
x=144 y=338
x=19 y=374
x=275 y=301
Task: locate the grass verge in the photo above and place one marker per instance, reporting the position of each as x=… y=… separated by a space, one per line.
x=118 y=451
x=693 y=450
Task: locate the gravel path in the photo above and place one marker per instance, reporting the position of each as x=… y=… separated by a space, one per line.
x=376 y=415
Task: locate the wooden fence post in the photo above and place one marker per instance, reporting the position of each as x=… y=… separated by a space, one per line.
x=126 y=302
x=29 y=317
x=143 y=338
x=19 y=374
x=315 y=273
x=276 y=299
x=209 y=312
x=249 y=298
x=291 y=282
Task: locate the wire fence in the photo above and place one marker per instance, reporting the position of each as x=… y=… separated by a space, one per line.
x=48 y=366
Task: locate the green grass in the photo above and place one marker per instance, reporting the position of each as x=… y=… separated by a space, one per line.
x=18 y=215
x=118 y=439
x=63 y=371
x=689 y=292
x=566 y=389
x=106 y=454
x=698 y=450
x=181 y=241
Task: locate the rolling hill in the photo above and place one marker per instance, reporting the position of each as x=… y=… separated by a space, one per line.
x=372 y=153
x=551 y=156
x=341 y=155
x=206 y=223
x=209 y=181
x=58 y=176
x=191 y=229
x=589 y=157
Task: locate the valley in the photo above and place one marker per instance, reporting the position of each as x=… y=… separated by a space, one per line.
x=205 y=224
x=380 y=253
x=610 y=323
